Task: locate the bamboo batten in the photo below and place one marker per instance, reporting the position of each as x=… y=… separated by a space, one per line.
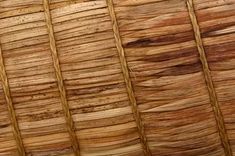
x=117 y=77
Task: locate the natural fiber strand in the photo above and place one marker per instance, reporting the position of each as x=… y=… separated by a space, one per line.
x=127 y=79
x=209 y=82
x=64 y=102
x=10 y=107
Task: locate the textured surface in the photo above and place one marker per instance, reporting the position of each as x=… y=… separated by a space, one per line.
x=157 y=37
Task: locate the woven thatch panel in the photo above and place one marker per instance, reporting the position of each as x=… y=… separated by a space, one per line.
x=117 y=77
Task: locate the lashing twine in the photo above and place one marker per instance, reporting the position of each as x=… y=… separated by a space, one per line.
x=127 y=79
x=63 y=97
x=10 y=107
x=209 y=82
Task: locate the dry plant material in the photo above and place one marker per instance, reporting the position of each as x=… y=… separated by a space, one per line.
x=117 y=77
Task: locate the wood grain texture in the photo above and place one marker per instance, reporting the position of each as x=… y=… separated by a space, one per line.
x=164 y=66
